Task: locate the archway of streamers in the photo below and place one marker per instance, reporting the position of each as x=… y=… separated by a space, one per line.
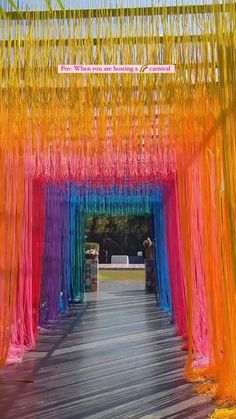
x=57 y=237
x=72 y=144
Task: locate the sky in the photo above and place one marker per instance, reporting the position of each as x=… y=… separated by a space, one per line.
x=86 y=4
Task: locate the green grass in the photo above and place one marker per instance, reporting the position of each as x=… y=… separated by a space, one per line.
x=107 y=275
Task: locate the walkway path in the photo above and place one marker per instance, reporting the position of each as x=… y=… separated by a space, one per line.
x=119 y=358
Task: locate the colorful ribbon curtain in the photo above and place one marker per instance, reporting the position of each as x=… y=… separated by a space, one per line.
x=130 y=131
x=161 y=258
x=63 y=250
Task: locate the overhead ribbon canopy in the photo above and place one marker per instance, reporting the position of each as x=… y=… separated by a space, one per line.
x=113 y=136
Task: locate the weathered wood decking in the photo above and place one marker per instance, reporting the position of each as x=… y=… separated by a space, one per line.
x=119 y=358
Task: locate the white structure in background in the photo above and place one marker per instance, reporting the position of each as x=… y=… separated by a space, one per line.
x=120 y=259
x=140 y=253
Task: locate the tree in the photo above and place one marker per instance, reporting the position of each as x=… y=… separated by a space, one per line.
x=118 y=234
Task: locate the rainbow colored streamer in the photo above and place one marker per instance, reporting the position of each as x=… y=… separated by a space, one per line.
x=73 y=144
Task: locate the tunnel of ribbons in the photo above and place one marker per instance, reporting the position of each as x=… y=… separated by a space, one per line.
x=73 y=145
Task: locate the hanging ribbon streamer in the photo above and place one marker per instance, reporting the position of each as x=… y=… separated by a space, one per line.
x=161 y=257
x=175 y=258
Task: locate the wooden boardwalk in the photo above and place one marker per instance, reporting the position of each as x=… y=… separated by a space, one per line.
x=117 y=358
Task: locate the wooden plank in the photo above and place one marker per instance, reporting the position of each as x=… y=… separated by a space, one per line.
x=116 y=40
x=116 y=12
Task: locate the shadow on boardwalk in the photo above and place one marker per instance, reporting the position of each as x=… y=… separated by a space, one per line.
x=118 y=357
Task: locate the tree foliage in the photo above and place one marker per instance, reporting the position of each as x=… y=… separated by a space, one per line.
x=118 y=234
